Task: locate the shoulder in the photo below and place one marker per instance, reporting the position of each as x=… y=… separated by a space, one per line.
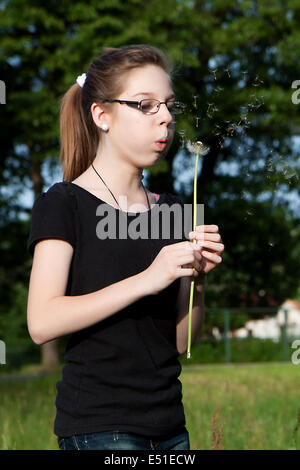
x=55 y=203
x=62 y=188
x=53 y=216
x=58 y=194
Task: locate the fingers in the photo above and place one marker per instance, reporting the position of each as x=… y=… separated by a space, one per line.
x=207 y=228
x=186 y=245
x=204 y=239
x=203 y=235
x=185 y=259
x=192 y=246
x=183 y=248
x=212 y=256
x=182 y=272
x=192 y=260
x=219 y=247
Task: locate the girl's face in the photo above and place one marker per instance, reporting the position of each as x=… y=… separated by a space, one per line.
x=134 y=134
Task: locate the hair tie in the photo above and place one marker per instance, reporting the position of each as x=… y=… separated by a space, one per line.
x=81 y=79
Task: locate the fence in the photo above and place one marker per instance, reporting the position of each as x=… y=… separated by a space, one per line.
x=228 y=332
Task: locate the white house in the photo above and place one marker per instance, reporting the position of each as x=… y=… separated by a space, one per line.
x=270 y=327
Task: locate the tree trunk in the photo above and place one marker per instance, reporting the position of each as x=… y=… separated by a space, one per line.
x=50 y=356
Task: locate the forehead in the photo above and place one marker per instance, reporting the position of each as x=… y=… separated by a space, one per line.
x=148 y=81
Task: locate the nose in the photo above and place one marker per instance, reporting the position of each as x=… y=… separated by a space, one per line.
x=164 y=114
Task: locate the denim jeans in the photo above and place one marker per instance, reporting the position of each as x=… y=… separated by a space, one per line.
x=120 y=440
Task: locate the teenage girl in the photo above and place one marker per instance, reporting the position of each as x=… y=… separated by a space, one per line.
x=122 y=298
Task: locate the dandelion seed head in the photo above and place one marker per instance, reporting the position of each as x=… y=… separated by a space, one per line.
x=197 y=147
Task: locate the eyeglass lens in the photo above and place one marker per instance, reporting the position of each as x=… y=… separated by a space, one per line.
x=152 y=106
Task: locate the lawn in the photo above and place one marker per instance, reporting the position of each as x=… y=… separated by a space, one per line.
x=249 y=406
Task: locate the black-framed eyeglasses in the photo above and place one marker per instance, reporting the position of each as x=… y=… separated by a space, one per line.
x=151 y=106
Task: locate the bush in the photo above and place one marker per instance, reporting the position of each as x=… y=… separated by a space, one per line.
x=242 y=350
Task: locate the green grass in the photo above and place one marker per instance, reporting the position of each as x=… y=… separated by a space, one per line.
x=258 y=405
x=255 y=406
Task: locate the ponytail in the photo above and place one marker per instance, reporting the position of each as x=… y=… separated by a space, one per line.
x=78 y=142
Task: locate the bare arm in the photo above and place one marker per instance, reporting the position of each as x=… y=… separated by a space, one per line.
x=182 y=318
x=51 y=314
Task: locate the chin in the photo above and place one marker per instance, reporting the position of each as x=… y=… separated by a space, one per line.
x=152 y=162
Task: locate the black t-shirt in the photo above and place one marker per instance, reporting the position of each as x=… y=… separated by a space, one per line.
x=122 y=372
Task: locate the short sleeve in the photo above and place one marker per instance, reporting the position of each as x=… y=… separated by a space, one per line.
x=52 y=216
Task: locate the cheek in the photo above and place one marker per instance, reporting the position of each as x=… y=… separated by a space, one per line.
x=136 y=132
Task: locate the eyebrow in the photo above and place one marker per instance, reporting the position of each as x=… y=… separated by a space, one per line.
x=151 y=94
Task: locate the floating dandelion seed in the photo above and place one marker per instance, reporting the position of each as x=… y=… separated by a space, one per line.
x=257 y=81
x=214 y=72
x=230 y=129
x=270 y=166
x=218 y=89
x=288 y=172
x=221 y=142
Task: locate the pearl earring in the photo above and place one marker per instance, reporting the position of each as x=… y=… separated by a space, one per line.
x=104 y=127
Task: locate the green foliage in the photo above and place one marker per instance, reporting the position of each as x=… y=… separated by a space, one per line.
x=13 y=322
x=20 y=348
x=44 y=46
x=243 y=350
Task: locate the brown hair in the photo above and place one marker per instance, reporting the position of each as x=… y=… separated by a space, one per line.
x=79 y=135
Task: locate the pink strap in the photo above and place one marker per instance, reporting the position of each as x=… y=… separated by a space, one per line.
x=157 y=195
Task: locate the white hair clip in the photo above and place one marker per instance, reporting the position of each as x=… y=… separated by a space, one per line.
x=81 y=79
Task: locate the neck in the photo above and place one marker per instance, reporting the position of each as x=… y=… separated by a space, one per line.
x=119 y=176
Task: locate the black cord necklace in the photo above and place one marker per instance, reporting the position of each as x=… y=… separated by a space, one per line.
x=114 y=196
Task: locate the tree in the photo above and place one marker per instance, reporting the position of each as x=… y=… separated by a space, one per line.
x=43 y=49
x=234 y=65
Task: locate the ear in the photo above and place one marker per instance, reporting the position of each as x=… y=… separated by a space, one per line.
x=100 y=115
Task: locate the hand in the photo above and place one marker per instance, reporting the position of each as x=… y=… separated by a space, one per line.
x=168 y=265
x=211 y=247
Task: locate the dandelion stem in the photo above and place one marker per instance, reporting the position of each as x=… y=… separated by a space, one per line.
x=194 y=241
